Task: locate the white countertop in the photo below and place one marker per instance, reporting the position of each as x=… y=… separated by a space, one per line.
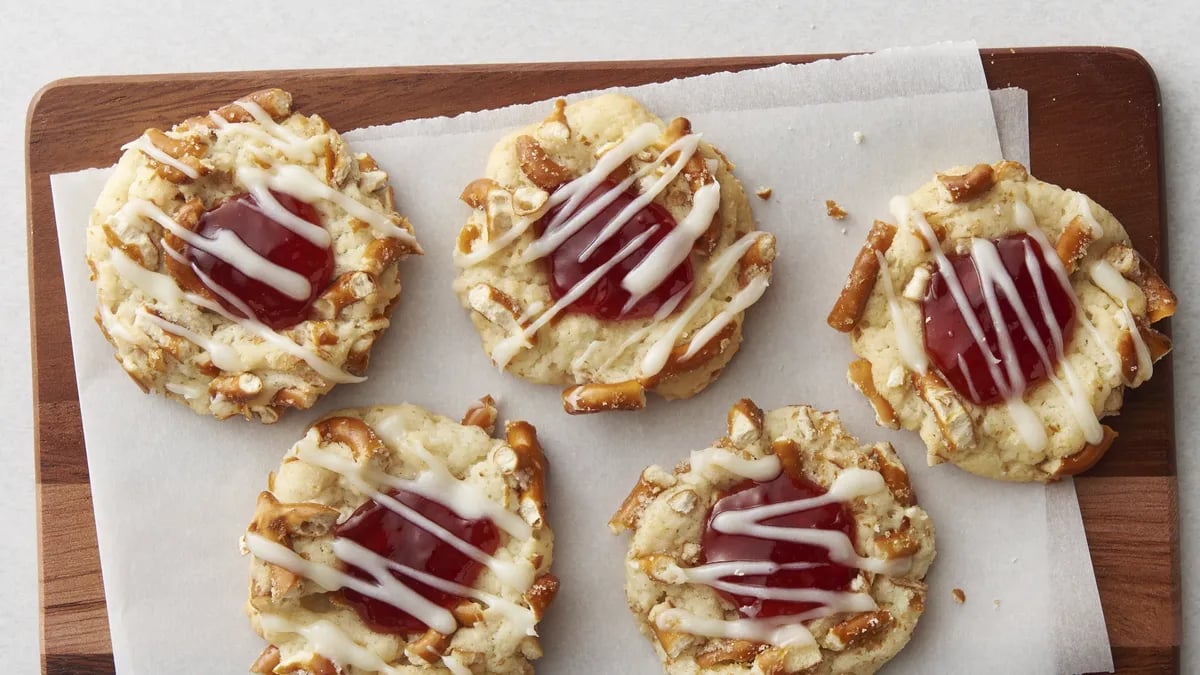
x=119 y=36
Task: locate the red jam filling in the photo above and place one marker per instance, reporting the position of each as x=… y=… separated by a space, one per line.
x=242 y=216
x=392 y=536
x=948 y=339
x=606 y=299
x=820 y=574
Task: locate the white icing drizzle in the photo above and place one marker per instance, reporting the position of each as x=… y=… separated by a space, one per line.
x=519 y=575
x=675 y=247
x=114 y=327
x=1023 y=217
x=229 y=247
x=1085 y=210
x=223 y=356
x=779 y=631
x=267 y=131
x=164 y=289
x=302 y=184
x=150 y=150
x=454 y=665
x=740 y=302
x=910 y=352
x=713 y=575
x=656 y=356
x=506 y=349
x=187 y=391
x=663 y=312
x=1108 y=279
x=850 y=484
x=385 y=588
x=266 y=202
x=329 y=641
x=520 y=618
x=760 y=469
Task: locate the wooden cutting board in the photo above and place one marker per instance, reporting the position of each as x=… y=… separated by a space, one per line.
x=1094 y=127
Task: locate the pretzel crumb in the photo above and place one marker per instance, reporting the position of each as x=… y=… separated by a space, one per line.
x=834 y=210
x=959 y=596
x=763 y=193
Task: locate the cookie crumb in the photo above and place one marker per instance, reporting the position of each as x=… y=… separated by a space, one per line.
x=858 y=138
x=995 y=604
x=834 y=210
x=843 y=230
x=959 y=596
x=763 y=192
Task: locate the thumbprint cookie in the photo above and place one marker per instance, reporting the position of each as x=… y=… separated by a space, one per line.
x=246 y=260
x=785 y=547
x=1003 y=318
x=395 y=540
x=610 y=252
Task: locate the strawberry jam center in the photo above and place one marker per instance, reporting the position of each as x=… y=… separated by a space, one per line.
x=394 y=537
x=606 y=299
x=953 y=349
x=808 y=566
x=242 y=216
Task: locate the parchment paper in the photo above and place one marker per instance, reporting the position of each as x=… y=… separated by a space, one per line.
x=173 y=490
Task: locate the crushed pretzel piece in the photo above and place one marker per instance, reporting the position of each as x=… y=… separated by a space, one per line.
x=537 y=165
x=834 y=210
x=650 y=484
x=959 y=596
x=354 y=434
x=429 y=647
x=763 y=193
x=901 y=542
x=853 y=299
x=970 y=185
x=953 y=420
x=1073 y=243
x=1085 y=459
x=757 y=260
x=266 y=661
x=597 y=397
x=475 y=194
x=541 y=594
x=530 y=471
x=722 y=651
x=862 y=379
x=857 y=629
x=482 y=414
x=894 y=476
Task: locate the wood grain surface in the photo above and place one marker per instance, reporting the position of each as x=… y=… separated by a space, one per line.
x=1094 y=127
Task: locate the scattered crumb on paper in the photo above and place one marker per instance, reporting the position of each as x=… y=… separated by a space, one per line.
x=763 y=192
x=858 y=138
x=959 y=596
x=834 y=210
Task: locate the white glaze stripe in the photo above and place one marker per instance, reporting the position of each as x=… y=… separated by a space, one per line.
x=506 y=349
x=270 y=206
x=910 y=352
x=686 y=147
x=656 y=356
x=150 y=150
x=223 y=356
x=300 y=183
x=386 y=588
x=325 y=638
x=228 y=247
x=520 y=618
x=850 y=484
x=739 y=303
x=164 y=289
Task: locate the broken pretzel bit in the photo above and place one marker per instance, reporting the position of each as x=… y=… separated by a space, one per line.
x=763 y=193
x=834 y=210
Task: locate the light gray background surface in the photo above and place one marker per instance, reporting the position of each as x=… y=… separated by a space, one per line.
x=120 y=36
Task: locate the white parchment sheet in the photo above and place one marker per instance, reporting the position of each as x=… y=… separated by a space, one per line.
x=173 y=491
